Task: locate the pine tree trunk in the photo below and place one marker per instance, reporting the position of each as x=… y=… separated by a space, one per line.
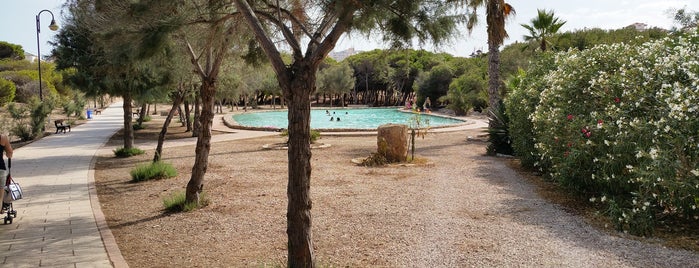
x=201 y=159
x=128 y=119
x=300 y=239
x=197 y=113
x=161 y=137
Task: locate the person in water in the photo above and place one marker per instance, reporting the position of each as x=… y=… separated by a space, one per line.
x=332 y=118
x=338 y=119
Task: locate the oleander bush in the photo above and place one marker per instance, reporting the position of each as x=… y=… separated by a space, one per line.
x=618 y=124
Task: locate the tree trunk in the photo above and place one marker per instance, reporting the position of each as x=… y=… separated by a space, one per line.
x=128 y=125
x=201 y=159
x=187 y=112
x=298 y=215
x=494 y=81
x=161 y=137
x=197 y=113
x=142 y=113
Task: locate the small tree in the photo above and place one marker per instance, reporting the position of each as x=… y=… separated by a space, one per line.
x=418 y=128
x=7 y=91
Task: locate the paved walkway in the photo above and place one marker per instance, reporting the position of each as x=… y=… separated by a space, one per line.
x=55 y=224
x=59 y=221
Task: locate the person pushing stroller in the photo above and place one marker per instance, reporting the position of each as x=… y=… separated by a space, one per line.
x=5 y=150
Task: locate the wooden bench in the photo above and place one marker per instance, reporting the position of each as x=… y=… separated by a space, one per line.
x=136 y=113
x=98 y=111
x=60 y=126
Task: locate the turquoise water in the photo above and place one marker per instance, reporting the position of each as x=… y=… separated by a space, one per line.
x=364 y=118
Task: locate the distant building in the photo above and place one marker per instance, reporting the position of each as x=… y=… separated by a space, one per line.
x=639 y=26
x=341 y=55
x=30 y=57
x=476 y=53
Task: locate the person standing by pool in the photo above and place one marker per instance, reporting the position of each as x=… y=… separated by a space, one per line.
x=426 y=105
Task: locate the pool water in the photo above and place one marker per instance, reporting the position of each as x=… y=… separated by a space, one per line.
x=364 y=118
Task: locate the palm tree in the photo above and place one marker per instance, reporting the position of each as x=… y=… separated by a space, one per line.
x=496 y=13
x=542 y=27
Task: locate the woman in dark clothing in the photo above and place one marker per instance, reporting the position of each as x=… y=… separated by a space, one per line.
x=6 y=148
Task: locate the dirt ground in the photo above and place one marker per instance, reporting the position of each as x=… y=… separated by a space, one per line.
x=466 y=210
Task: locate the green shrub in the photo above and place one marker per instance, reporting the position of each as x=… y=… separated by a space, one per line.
x=153 y=171
x=315 y=134
x=137 y=126
x=122 y=152
x=147 y=118
x=520 y=105
x=22 y=131
x=617 y=123
x=7 y=91
x=375 y=160
x=177 y=203
x=499 y=141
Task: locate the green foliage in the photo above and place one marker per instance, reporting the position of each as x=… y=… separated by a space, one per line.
x=123 y=152
x=74 y=106
x=618 y=123
x=177 y=202
x=153 y=171
x=315 y=134
x=499 y=141
x=419 y=127
x=39 y=113
x=525 y=89
x=11 y=51
x=465 y=93
x=542 y=27
x=7 y=91
x=588 y=38
x=435 y=83
x=336 y=79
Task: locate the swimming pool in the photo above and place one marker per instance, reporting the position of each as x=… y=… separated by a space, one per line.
x=360 y=118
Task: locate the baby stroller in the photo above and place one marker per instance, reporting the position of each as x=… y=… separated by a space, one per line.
x=12 y=192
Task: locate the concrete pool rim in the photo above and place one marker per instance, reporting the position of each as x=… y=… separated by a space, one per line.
x=229 y=122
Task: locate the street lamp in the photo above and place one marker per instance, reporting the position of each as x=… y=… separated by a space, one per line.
x=53 y=26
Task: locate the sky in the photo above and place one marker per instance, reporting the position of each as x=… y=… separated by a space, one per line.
x=18 y=21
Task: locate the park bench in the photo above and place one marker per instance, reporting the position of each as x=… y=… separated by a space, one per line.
x=60 y=126
x=98 y=111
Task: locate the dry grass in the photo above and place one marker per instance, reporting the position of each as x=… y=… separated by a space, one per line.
x=463 y=211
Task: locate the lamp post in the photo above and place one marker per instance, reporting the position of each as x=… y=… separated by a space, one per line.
x=53 y=26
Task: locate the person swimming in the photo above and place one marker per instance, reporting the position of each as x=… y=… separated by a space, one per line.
x=338 y=119
x=333 y=118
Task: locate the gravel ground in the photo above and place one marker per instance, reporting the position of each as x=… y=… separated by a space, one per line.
x=465 y=210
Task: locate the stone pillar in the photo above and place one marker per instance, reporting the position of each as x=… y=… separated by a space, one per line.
x=392 y=142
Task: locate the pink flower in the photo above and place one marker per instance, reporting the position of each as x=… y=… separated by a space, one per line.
x=570 y=117
x=617 y=100
x=600 y=121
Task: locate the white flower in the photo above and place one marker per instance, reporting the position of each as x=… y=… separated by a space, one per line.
x=695 y=172
x=653 y=153
x=592 y=199
x=604 y=198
